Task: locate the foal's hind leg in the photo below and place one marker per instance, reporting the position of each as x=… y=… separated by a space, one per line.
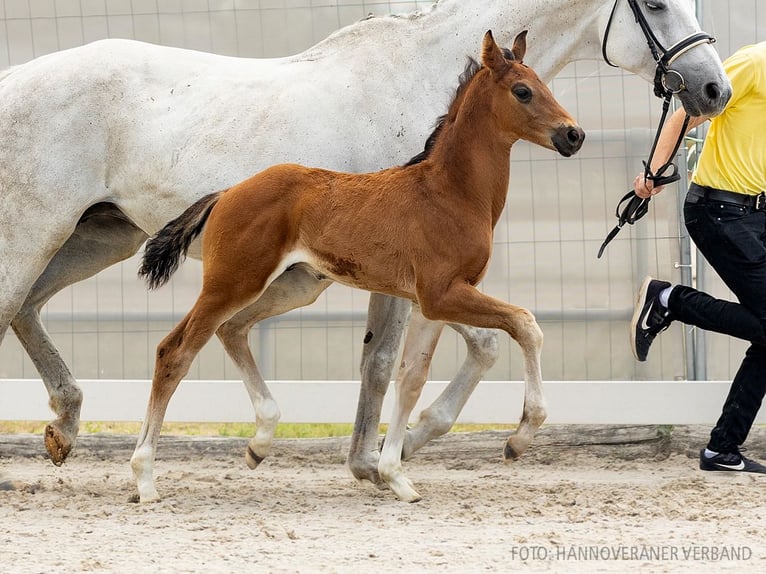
x=102 y=238
x=296 y=287
x=440 y=416
x=175 y=354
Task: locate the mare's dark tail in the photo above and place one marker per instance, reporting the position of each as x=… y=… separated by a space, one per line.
x=166 y=250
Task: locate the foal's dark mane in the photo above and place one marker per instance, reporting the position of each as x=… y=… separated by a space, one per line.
x=472 y=67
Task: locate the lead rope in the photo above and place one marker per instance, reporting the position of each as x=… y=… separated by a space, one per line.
x=637 y=207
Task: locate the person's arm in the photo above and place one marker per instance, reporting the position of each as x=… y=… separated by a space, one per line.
x=668 y=136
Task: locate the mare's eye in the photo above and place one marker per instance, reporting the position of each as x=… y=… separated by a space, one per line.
x=522 y=93
x=654 y=6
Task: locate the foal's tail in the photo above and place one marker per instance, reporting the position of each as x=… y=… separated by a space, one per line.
x=165 y=251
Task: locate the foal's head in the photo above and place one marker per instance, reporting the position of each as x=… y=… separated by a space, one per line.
x=524 y=106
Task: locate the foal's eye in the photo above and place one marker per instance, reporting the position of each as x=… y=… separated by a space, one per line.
x=522 y=93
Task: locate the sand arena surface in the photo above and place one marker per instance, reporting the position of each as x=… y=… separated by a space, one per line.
x=636 y=503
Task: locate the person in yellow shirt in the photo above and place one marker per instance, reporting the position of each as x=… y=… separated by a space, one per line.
x=725 y=214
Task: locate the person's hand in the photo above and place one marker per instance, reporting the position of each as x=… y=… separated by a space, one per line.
x=644 y=188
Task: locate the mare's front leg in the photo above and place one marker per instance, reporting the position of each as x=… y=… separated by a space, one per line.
x=296 y=287
x=103 y=237
x=422 y=336
x=439 y=417
x=464 y=304
x=386 y=320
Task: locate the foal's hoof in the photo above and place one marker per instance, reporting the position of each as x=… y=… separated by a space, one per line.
x=252 y=459
x=404 y=490
x=57 y=445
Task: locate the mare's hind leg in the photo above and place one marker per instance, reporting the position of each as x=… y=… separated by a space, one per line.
x=296 y=287
x=415 y=359
x=386 y=319
x=441 y=415
x=102 y=237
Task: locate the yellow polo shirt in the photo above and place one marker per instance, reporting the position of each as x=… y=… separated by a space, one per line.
x=734 y=153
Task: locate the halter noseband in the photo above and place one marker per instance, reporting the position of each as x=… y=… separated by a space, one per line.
x=663 y=57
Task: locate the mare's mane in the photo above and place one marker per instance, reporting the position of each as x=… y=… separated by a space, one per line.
x=472 y=67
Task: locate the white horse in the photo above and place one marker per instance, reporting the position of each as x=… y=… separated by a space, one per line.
x=101 y=145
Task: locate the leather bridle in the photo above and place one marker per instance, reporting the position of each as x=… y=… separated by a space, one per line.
x=664 y=57
x=667 y=82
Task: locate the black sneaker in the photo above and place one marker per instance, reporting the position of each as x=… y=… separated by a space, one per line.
x=650 y=318
x=730 y=462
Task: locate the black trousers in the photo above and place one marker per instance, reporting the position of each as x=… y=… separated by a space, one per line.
x=732 y=238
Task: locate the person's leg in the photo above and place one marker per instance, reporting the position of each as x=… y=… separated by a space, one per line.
x=734 y=246
x=733 y=242
x=742 y=403
x=693 y=307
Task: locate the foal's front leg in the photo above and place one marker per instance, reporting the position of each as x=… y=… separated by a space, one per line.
x=530 y=338
x=464 y=304
x=422 y=336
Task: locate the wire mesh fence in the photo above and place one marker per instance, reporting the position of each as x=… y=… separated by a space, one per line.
x=557 y=215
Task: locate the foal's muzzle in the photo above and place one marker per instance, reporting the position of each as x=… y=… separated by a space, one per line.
x=568 y=140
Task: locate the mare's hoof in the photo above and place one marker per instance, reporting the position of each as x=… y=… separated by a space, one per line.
x=366 y=471
x=57 y=445
x=509 y=453
x=252 y=459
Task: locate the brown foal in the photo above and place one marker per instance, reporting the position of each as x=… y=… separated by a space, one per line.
x=422 y=231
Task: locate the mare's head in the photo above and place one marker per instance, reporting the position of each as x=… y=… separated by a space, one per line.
x=693 y=68
x=524 y=106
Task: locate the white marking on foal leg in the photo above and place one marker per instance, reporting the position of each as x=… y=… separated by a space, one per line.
x=422 y=336
x=233 y=335
x=266 y=418
x=142 y=461
x=294 y=288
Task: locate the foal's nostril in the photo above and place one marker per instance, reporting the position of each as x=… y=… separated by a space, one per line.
x=573 y=135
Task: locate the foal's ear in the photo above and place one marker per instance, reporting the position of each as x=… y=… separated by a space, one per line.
x=491 y=55
x=520 y=46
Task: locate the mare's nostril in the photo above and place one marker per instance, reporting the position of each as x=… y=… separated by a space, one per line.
x=712 y=91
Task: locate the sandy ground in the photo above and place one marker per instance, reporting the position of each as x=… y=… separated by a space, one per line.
x=638 y=507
